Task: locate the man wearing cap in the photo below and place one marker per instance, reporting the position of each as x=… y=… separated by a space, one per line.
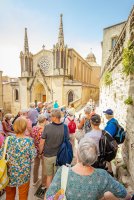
x=95 y=133
x=111 y=126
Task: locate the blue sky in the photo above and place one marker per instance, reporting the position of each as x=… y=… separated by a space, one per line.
x=83 y=21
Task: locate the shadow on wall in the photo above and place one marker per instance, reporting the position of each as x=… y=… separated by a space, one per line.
x=128 y=147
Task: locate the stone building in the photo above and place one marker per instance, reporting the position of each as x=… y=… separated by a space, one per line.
x=58 y=74
x=115 y=39
x=11 y=98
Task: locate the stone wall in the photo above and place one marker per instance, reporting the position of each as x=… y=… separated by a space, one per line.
x=130 y=130
x=108 y=34
x=122 y=86
x=89 y=93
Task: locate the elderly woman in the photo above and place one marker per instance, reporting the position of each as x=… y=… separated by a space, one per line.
x=36 y=135
x=84 y=181
x=85 y=121
x=20 y=153
x=7 y=126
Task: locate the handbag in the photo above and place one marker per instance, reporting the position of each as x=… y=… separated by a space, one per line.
x=64 y=179
x=60 y=195
x=4 y=179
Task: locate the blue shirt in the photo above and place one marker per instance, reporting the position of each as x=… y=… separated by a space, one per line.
x=56 y=105
x=111 y=127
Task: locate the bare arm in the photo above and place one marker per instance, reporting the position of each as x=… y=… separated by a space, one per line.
x=41 y=145
x=45 y=197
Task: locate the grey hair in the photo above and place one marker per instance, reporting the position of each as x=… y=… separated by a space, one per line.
x=8 y=116
x=87 y=110
x=41 y=118
x=56 y=113
x=32 y=105
x=87 y=151
x=24 y=110
x=39 y=102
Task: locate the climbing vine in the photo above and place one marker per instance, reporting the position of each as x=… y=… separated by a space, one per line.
x=129 y=101
x=128 y=59
x=107 y=78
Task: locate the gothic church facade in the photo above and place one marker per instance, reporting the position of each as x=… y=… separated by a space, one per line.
x=58 y=74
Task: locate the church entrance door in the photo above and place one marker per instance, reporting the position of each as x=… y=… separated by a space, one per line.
x=39 y=93
x=70 y=97
x=44 y=98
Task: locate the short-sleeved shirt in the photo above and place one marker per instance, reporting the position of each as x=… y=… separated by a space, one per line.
x=56 y=105
x=111 y=127
x=20 y=153
x=33 y=115
x=53 y=134
x=90 y=187
x=36 y=135
x=95 y=135
x=87 y=125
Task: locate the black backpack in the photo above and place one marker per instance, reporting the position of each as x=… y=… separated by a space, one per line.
x=120 y=133
x=108 y=146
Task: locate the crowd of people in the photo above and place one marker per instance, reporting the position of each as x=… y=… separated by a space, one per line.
x=36 y=134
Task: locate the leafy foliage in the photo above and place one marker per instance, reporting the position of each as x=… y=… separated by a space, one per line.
x=129 y=101
x=107 y=78
x=128 y=59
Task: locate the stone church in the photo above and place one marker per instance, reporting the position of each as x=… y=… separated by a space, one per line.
x=57 y=74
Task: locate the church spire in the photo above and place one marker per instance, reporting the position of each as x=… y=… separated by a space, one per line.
x=26 y=47
x=61 y=34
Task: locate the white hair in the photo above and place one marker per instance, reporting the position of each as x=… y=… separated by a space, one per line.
x=32 y=105
x=39 y=103
x=87 y=151
x=41 y=118
x=87 y=110
x=24 y=110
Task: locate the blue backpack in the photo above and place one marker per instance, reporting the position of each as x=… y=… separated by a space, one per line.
x=65 y=153
x=120 y=133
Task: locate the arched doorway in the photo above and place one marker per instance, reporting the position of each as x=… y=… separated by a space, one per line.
x=39 y=93
x=70 y=97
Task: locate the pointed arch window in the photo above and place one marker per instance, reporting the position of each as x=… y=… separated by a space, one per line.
x=16 y=95
x=26 y=63
x=70 y=97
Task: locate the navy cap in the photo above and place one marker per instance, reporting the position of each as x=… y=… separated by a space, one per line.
x=95 y=119
x=108 y=112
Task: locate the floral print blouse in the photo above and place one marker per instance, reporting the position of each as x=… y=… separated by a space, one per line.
x=36 y=135
x=20 y=153
x=90 y=187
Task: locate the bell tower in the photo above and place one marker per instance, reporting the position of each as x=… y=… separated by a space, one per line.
x=26 y=59
x=60 y=52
